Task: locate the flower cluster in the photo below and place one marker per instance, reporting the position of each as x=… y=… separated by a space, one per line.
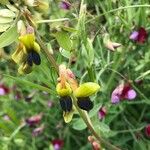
x=67 y=86
x=27 y=52
x=123 y=91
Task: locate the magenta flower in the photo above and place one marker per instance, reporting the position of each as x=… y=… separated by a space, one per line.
x=147 y=130
x=123 y=91
x=65 y=5
x=34 y=119
x=58 y=144
x=3 y=90
x=139 y=36
x=102 y=113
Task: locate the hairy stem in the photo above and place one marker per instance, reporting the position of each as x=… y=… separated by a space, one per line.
x=88 y=122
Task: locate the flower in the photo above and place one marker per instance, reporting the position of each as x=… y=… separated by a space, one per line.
x=139 y=36
x=123 y=91
x=102 y=113
x=27 y=52
x=38 y=131
x=147 y=130
x=4 y=90
x=65 y=5
x=109 y=44
x=57 y=144
x=33 y=120
x=67 y=86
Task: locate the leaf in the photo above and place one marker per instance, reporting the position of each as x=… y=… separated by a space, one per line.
x=7 y=13
x=5 y=20
x=63 y=40
x=33 y=85
x=95 y=110
x=68 y=29
x=4 y=27
x=65 y=53
x=4 y=2
x=8 y=37
x=79 y=124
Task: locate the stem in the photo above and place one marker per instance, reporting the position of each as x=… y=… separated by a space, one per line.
x=88 y=122
x=117 y=9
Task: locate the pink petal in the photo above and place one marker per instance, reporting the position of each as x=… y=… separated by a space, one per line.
x=131 y=94
x=134 y=35
x=115 y=99
x=2 y=91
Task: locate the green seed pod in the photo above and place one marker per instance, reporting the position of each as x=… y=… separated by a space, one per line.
x=86 y=89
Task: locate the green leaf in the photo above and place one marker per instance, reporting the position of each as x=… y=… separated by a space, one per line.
x=7 y=13
x=8 y=37
x=63 y=40
x=65 y=53
x=5 y=20
x=33 y=85
x=78 y=124
x=4 y=27
x=4 y=2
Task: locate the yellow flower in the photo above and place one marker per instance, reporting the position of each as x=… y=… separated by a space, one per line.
x=86 y=89
x=27 y=53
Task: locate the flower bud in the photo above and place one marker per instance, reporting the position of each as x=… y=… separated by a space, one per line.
x=86 y=89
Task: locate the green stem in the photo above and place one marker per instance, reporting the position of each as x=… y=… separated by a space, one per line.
x=117 y=9
x=88 y=122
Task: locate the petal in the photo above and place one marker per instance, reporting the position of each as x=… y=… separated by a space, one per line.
x=19 y=56
x=134 y=35
x=36 y=47
x=115 y=99
x=24 y=68
x=85 y=103
x=131 y=94
x=28 y=41
x=68 y=116
x=63 y=91
x=86 y=89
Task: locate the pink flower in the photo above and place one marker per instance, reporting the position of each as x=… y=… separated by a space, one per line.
x=58 y=144
x=49 y=103
x=147 y=130
x=65 y=5
x=139 y=36
x=123 y=91
x=34 y=119
x=102 y=113
x=4 y=90
x=38 y=131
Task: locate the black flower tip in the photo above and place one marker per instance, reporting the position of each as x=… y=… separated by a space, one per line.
x=66 y=103
x=33 y=57
x=85 y=103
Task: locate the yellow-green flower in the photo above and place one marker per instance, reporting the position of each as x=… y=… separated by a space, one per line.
x=27 y=53
x=82 y=94
x=68 y=85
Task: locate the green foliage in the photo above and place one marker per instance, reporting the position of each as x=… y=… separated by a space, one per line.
x=77 y=42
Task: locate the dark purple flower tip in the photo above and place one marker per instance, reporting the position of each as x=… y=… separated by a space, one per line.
x=147 y=130
x=65 y=5
x=58 y=144
x=102 y=113
x=4 y=90
x=34 y=119
x=37 y=131
x=139 y=36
